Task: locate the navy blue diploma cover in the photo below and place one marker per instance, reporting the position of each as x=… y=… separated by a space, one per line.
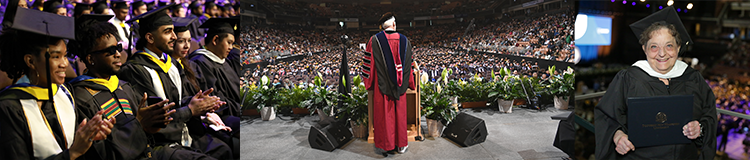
x=658 y=120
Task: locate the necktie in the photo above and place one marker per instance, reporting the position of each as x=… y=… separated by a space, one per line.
x=124 y=29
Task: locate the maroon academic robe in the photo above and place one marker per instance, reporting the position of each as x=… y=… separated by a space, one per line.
x=387 y=53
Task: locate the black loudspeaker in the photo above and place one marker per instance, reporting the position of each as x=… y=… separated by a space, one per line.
x=328 y=137
x=466 y=130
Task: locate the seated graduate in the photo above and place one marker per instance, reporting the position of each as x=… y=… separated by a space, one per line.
x=99 y=89
x=37 y=115
x=215 y=70
x=152 y=71
x=662 y=37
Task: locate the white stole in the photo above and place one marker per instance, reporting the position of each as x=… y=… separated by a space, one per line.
x=42 y=137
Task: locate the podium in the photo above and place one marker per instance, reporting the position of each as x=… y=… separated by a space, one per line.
x=413 y=115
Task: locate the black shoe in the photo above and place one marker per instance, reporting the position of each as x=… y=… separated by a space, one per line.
x=381 y=152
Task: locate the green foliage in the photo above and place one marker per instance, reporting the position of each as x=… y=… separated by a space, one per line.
x=319 y=97
x=563 y=85
x=260 y=96
x=436 y=104
x=472 y=91
x=355 y=104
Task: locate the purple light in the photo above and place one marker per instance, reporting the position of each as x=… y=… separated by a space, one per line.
x=648 y=5
x=685 y=11
x=678 y=10
x=660 y=7
x=613 y=0
x=624 y=2
x=633 y=3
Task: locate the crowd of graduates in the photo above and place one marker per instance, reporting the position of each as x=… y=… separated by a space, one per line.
x=119 y=80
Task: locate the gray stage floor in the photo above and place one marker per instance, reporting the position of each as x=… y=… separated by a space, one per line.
x=523 y=134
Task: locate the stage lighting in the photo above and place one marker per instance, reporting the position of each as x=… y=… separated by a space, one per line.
x=670 y=3
x=633 y=3
x=624 y=2
x=648 y=5
x=660 y=7
x=690 y=6
x=643 y=0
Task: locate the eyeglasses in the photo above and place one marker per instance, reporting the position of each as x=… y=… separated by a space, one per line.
x=655 y=48
x=112 y=50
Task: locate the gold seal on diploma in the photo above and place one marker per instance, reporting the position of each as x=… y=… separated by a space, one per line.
x=661 y=117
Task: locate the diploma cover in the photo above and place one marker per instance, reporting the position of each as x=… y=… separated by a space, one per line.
x=658 y=120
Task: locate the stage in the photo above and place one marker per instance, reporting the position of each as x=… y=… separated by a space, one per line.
x=523 y=134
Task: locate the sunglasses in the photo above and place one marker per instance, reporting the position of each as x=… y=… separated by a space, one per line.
x=110 y=50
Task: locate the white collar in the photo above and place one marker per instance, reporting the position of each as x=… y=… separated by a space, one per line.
x=677 y=70
x=152 y=53
x=390 y=29
x=211 y=56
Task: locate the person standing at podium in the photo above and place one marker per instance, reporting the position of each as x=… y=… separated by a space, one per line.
x=387 y=70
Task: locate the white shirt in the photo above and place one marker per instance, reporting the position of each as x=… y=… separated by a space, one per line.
x=118 y=25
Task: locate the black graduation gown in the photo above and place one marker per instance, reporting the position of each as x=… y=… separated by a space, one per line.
x=611 y=114
x=221 y=77
x=140 y=79
x=128 y=140
x=15 y=137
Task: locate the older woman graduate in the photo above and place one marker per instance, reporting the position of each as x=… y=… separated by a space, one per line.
x=662 y=38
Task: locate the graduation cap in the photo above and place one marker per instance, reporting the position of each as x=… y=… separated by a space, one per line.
x=665 y=16
x=137 y=4
x=150 y=5
x=83 y=22
x=182 y=24
x=44 y=23
x=79 y=8
x=163 y=2
x=152 y=20
x=100 y=6
x=386 y=17
x=220 y=25
x=195 y=5
x=119 y=4
x=52 y=6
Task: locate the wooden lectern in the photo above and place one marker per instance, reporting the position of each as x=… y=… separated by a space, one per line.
x=413 y=114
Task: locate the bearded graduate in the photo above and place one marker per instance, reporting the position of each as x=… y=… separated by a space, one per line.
x=151 y=70
x=37 y=115
x=662 y=38
x=387 y=70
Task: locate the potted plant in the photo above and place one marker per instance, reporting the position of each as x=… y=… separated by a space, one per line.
x=293 y=97
x=355 y=108
x=249 y=108
x=501 y=90
x=436 y=107
x=472 y=93
x=266 y=100
x=560 y=87
x=320 y=98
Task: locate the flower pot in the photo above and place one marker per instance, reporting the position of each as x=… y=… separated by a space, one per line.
x=474 y=104
x=250 y=112
x=434 y=128
x=505 y=105
x=297 y=110
x=561 y=103
x=359 y=131
x=268 y=113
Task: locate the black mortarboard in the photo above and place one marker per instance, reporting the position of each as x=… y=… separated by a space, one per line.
x=52 y=5
x=666 y=16
x=174 y=7
x=86 y=18
x=163 y=2
x=44 y=23
x=182 y=24
x=220 y=25
x=137 y=4
x=385 y=17
x=151 y=5
x=195 y=5
x=80 y=7
x=152 y=20
x=119 y=4
x=99 y=7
